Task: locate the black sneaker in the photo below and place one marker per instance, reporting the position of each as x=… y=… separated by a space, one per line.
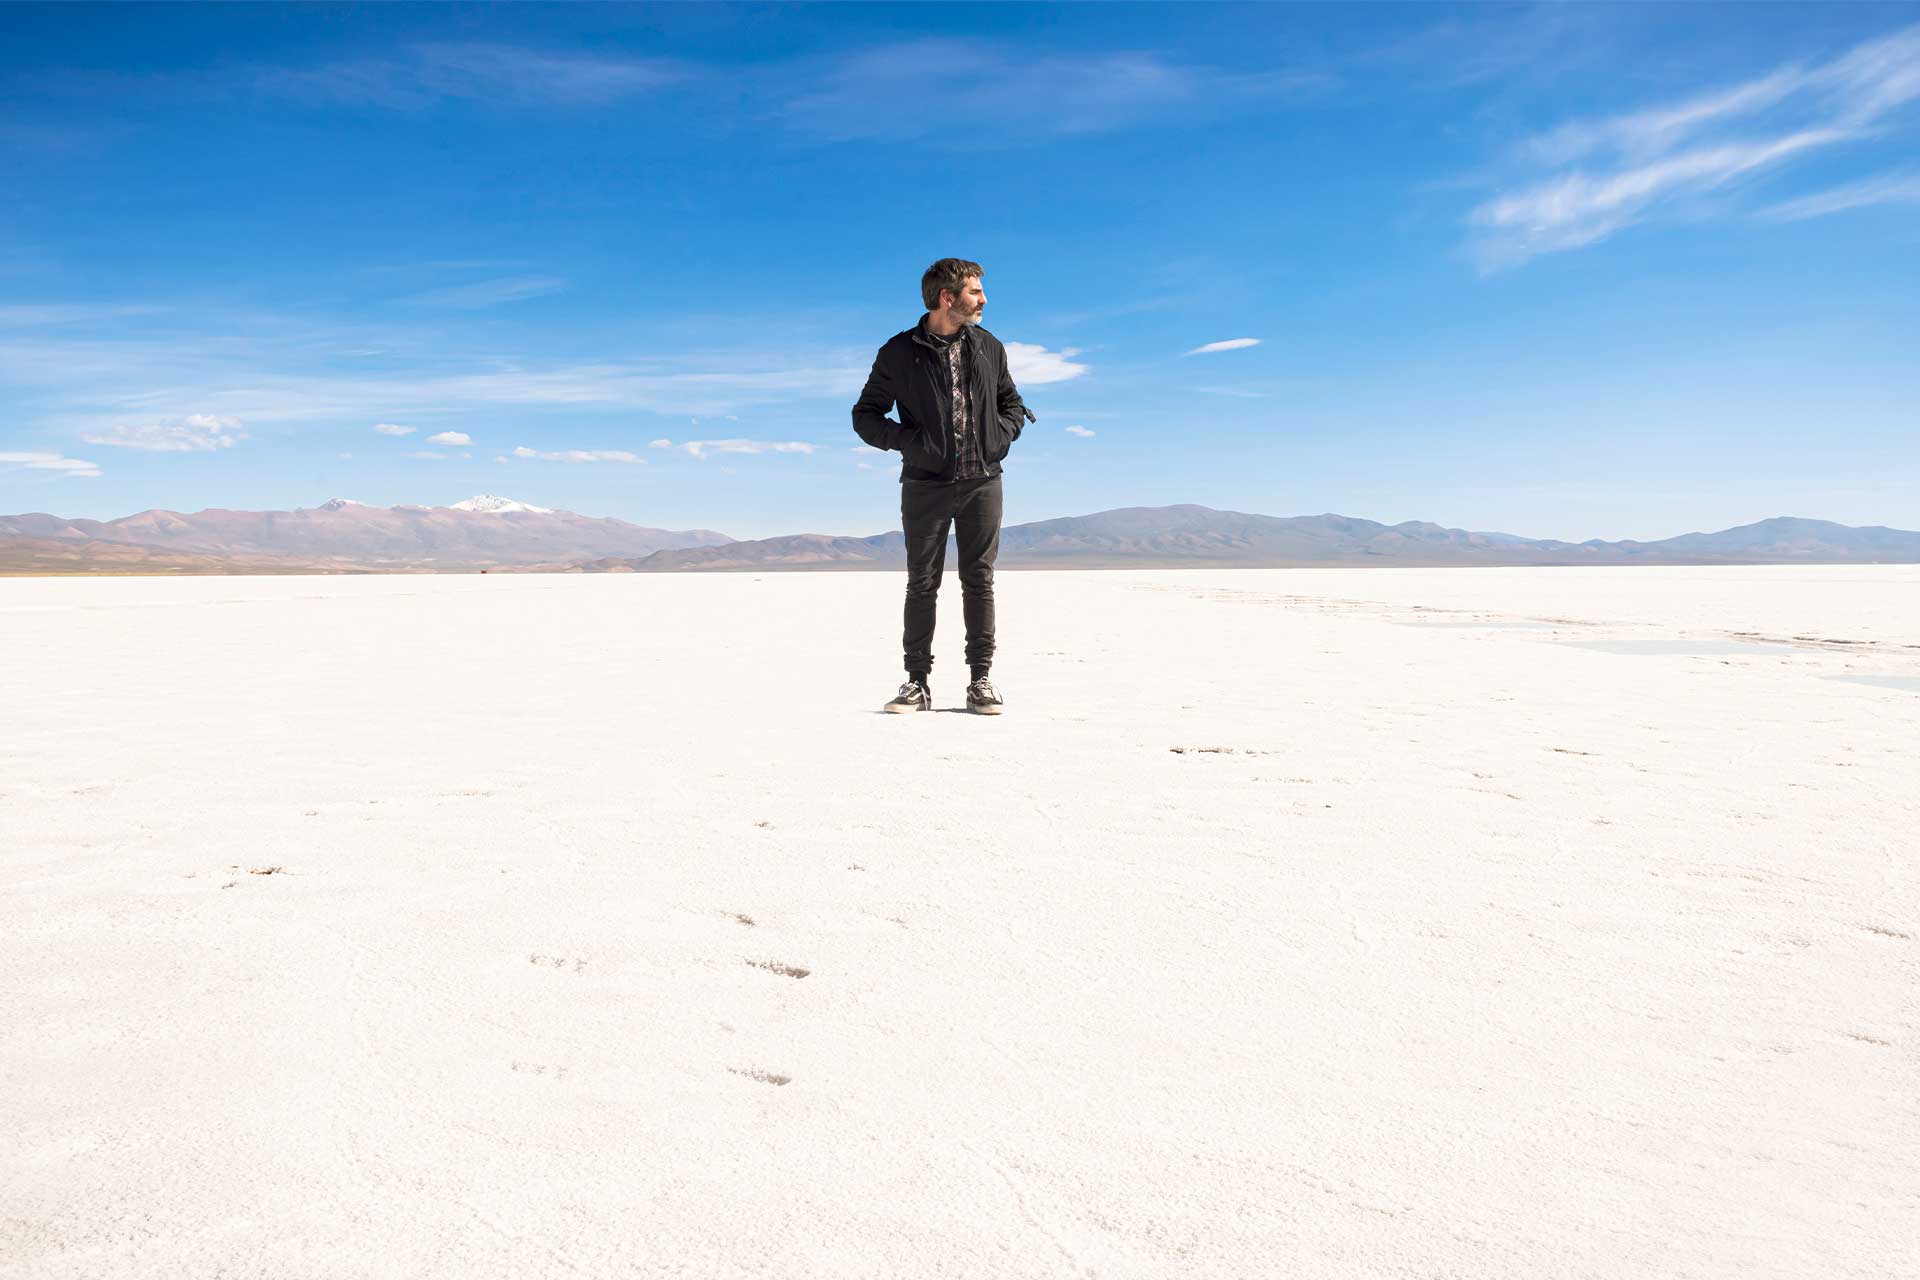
x=913 y=696
x=982 y=699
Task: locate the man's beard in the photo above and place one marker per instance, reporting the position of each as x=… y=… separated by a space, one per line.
x=965 y=317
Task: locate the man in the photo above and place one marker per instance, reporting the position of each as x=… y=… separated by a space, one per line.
x=959 y=415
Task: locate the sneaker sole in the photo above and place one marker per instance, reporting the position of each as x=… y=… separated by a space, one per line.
x=981 y=710
x=918 y=707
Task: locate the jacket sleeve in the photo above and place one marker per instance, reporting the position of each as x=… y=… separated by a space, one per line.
x=1013 y=411
x=870 y=420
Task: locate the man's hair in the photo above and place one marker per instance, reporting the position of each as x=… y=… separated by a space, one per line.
x=950 y=274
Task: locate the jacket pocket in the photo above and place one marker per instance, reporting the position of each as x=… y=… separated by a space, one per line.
x=995 y=441
x=918 y=451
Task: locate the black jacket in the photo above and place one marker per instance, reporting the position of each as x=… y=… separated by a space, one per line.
x=910 y=371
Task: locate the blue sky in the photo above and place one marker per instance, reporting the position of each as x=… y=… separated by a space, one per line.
x=1560 y=271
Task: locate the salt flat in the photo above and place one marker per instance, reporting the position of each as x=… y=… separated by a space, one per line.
x=1518 y=922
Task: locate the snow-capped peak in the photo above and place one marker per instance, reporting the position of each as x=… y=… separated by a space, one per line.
x=491 y=502
x=340 y=504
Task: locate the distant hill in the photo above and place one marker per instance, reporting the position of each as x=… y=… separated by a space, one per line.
x=1785 y=539
x=54 y=557
x=499 y=533
x=482 y=532
x=1201 y=537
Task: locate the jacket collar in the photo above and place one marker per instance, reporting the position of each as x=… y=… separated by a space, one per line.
x=924 y=336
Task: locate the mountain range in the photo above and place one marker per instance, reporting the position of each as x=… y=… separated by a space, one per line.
x=1201 y=537
x=494 y=533
x=482 y=532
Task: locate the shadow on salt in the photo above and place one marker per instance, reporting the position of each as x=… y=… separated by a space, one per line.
x=1501 y=624
x=1910 y=684
x=1677 y=647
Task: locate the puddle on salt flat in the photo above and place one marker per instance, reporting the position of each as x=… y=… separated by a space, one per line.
x=1909 y=683
x=1685 y=648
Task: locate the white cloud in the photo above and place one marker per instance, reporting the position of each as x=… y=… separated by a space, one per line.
x=426 y=455
x=1886 y=189
x=580 y=455
x=1230 y=344
x=450 y=437
x=1031 y=363
x=661 y=443
x=391 y=429
x=1082 y=432
x=865 y=448
x=1647 y=159
x=195 y=433
x=701 y=448
x=73 y=468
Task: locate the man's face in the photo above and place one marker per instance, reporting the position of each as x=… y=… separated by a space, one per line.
x=967 y=308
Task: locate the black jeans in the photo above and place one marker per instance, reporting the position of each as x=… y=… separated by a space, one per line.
x=927 y=509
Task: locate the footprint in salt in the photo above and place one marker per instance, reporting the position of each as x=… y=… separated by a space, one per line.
x=550 y=1070
x=764 y=1077
x=784 y=970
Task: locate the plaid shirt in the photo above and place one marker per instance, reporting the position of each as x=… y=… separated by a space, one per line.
x=966 y=434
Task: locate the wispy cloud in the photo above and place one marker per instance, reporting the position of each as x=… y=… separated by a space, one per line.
x=426 y=455
x=655 y=388
x=73 y=468
x=579 y=455
x=1504 y=43
x=1639 y=163
x=488 y=293
x=661 y=443
x=1014 y=94
x=1579 y=210
x=450 y=437
x=56 y=314
x=701 y=448
x=97 y=384
x=1032 y=363
x=1082 y=432
x=493 y=74
x=195 y=433
x=392 y=429
x=1889 y=188
x=1230 y=344
x=1653 y=131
